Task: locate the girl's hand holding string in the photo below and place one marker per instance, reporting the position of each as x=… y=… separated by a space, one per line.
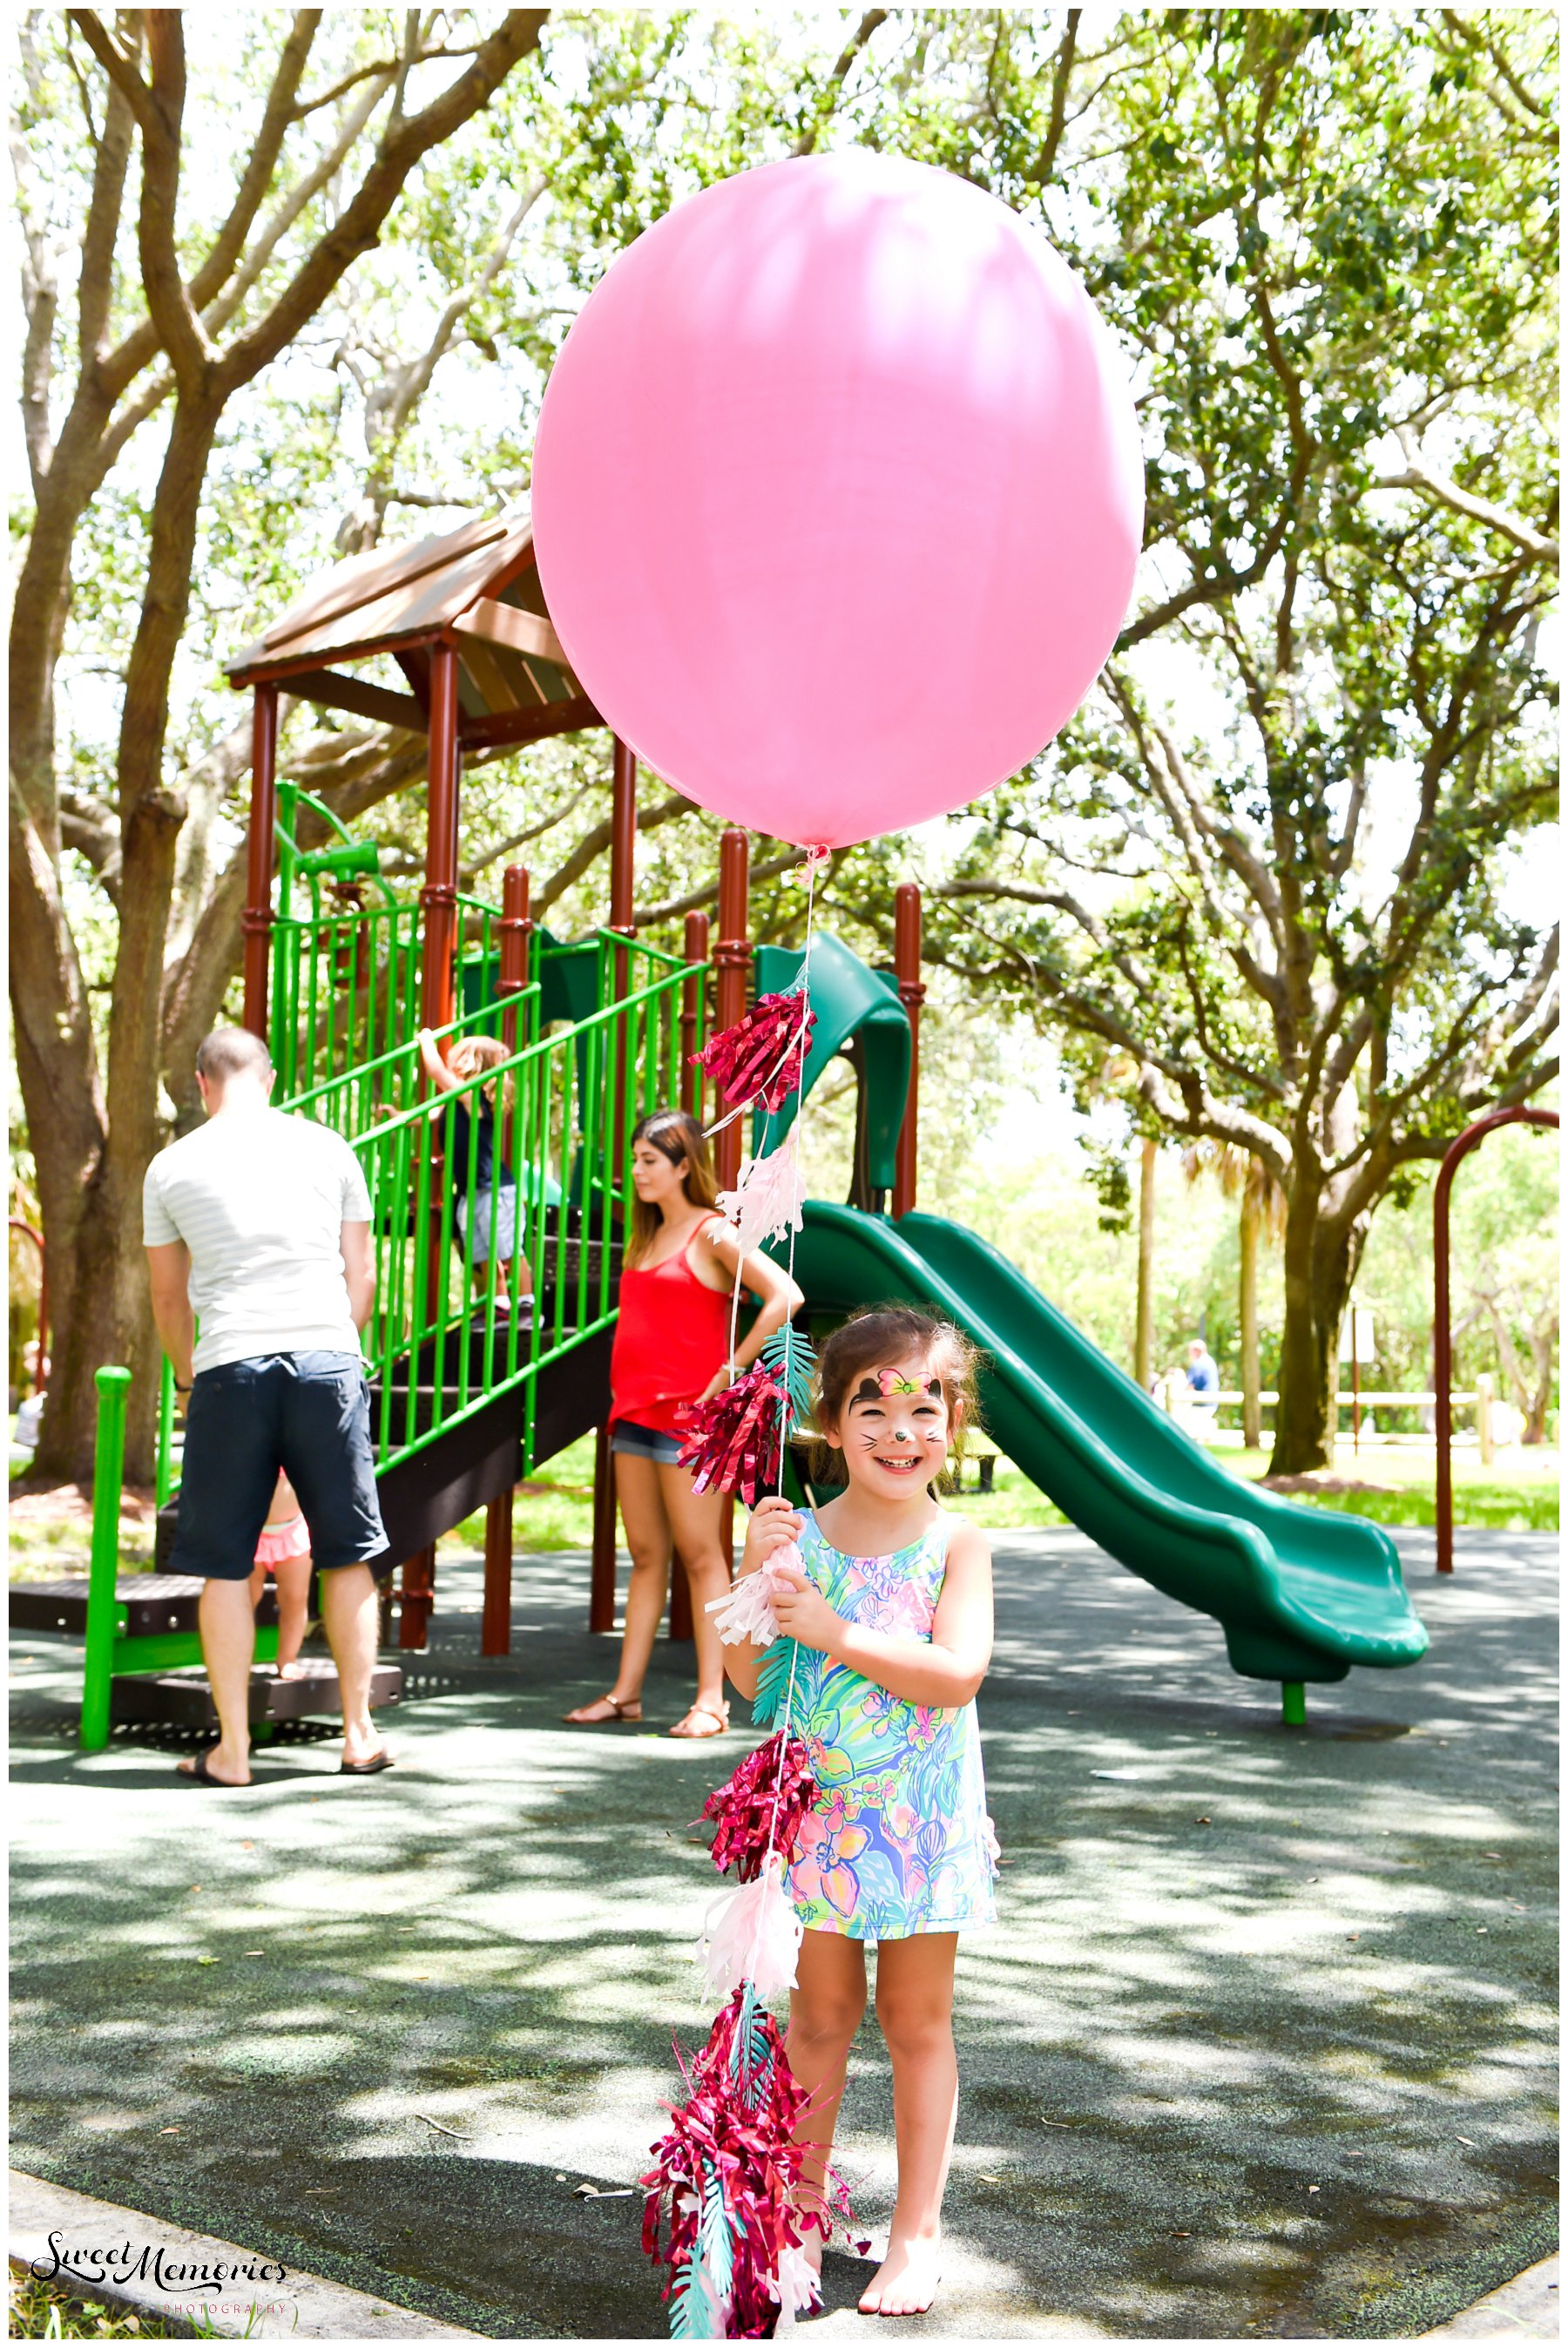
x=774 y=1525
x=801 y=1613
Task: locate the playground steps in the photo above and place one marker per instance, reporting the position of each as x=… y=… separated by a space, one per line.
x=182 y=1699
x=144 y=1604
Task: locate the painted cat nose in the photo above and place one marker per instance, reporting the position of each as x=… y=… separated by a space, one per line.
x=900 y=1435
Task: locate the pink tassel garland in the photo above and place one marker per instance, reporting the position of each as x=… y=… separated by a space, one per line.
x=739 y=2125
x=761 y=1057
x=730 y=1441
x=752 y=1934
x=746 y=1609
x=764 y=1803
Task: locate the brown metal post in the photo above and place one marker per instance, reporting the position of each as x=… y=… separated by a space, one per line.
x=732 y=961
x=256 y=920
x=438 y=897
x=911 y=995
x=695 y=947
x=495 y=1622
x=416 y=1598
x=601 y=1578
x=438 y=916
x=1443 y=1334
x=516 y=930
x=622 y=836
x=623 y=888
x=679 y=1598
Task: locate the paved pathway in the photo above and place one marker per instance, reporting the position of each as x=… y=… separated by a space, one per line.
x=1263 y=2045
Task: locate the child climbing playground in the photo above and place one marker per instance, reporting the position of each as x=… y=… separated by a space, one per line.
x=498 y=1227
x=675 y=1346
x=883 y=1598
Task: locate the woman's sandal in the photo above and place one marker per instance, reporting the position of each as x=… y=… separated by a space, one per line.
x=589 y=1715
x=720 y=1718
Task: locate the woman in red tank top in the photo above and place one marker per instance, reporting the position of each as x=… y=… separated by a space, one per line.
x=671 y=1348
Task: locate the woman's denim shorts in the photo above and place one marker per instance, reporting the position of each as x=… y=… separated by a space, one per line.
x=636 y=1442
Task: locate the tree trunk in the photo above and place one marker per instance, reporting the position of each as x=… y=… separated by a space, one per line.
x=106 y=1267
x=1251 y=1409
x=1143 y=1340
x=1320 y=1261
x=105 y=1278
x=1543 y=1345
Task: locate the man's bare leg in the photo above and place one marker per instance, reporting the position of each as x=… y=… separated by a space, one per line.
x=227 y=1619
x=350 y=1614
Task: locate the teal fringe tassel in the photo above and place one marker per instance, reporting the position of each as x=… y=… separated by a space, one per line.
x=772 y=1682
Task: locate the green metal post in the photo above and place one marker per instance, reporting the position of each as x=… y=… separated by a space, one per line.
x=108 y=1471
x=1293 y=1694
x=164 y=1483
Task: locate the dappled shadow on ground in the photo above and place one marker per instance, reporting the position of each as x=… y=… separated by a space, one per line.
x=1262 y=2043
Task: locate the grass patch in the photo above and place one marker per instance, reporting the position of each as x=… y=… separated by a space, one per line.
x=1518 y=1493
x=44 y=2311
x=554 y=1509
x=49 y=1532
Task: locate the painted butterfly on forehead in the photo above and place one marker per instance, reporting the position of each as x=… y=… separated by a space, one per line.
x=881 y=1382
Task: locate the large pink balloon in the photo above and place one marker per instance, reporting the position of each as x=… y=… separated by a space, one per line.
x=838 y=496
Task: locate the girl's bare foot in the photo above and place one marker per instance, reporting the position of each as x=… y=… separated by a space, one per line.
x=905 y=2283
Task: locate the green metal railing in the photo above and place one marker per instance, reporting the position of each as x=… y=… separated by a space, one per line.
x=441 y=1341
x=110 y=1649
x=345 y=987
x=444 y=1336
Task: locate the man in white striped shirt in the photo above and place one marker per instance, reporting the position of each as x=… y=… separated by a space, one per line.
x=258 y=1224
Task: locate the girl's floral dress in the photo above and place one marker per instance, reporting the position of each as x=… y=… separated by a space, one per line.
x=898 y=1841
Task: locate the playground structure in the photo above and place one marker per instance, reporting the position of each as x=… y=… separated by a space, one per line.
x=466 y=1400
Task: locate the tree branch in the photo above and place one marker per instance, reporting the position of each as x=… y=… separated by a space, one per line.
x=833 y=88
x=1061 y=77
x=276 y=116
x=358 y=227
x=593 y=844
x=1444 y=492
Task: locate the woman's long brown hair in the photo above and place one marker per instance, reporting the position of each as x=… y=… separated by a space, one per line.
x=676 y=1136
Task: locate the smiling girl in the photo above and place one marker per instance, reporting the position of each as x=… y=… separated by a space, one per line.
x=671 y=1349
x=887 y=1637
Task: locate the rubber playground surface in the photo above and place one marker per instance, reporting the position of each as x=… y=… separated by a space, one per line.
x=1264 y=2043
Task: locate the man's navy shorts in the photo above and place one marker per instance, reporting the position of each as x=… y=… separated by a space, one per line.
x=307 y=1414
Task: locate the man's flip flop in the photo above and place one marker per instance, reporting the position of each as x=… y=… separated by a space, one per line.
x=198 y=1773
x=383 y=1760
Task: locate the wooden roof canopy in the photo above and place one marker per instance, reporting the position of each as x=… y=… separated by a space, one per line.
x=477 y=589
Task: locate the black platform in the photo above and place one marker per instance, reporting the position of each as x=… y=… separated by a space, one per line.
x=182 y=1699
x=153 y=1602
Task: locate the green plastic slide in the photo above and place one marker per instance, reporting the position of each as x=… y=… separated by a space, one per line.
x=1300 y=1593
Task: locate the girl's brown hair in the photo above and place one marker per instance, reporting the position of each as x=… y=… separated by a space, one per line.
x=875 y=1340
x=674 y=1134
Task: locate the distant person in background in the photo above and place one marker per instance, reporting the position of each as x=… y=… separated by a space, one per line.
x=30 y=1413
x=259 y=1224
x=1203 y=1384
